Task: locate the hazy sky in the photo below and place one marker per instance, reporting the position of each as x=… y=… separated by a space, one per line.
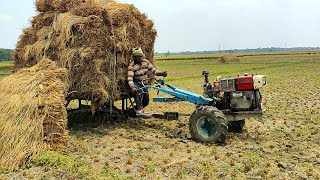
x=202 y=24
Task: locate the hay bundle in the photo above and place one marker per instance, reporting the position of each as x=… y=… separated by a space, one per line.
x=47 y=5
x=228 y=58
x=32 y=113
x=92 y=39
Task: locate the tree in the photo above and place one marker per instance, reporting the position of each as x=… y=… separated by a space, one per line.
x=5 y=54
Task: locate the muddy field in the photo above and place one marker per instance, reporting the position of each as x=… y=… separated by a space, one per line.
x=284 y=145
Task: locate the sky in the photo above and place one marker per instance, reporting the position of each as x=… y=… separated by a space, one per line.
x=196 y=25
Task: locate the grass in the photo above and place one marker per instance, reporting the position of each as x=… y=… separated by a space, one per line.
x=68 y=166
x=284 y=145
x=188 y=57
x=216 y=56
x=5 y=68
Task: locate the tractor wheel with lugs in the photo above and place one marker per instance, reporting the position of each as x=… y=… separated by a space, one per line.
x=236 y=126
x=208 y=125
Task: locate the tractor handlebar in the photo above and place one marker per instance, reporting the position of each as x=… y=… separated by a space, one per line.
x=159 y=82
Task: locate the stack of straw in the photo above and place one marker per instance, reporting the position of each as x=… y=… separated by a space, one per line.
x=92 y=39
x=32 y=113
x=228 y=58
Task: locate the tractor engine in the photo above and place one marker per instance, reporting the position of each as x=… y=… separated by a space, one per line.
x=236 y=93
x=240 y=93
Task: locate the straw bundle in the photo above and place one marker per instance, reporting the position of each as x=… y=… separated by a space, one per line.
x=32 y=113
x=228 y=58
x=92 y=39
x=47 y=5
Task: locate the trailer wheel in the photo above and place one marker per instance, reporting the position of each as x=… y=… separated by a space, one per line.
x=208 y=125
x=236 y=126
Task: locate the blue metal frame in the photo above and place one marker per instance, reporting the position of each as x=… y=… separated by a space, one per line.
x=178 y=94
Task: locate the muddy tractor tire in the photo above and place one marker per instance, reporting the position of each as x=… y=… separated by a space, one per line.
x=208 y=125
x=236 y=126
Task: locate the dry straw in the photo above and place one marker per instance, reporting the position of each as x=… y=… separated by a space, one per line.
x=32 y=113
x=83 y=36
x=228 y=58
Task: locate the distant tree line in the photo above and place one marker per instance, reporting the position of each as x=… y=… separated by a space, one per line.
x=5 y=54
x=271 y=49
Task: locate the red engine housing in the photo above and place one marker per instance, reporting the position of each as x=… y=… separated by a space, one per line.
x=244 y=83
